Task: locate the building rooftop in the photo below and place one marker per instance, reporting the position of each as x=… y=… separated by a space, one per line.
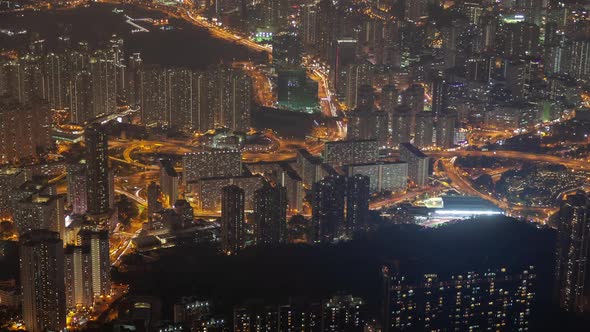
x=286 y=167
x=351 y=141
x=414 y=150
x=226 y=178
x=376 y=163
x=168 y=167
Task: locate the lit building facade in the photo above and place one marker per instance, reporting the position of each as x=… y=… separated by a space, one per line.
x=418 y=163
x=42 y=281
x=384 y=176
x=470 y=301
x=270 y=215
x=232 y=219
x=208 y=164
x=571 y=253
x=97 y=169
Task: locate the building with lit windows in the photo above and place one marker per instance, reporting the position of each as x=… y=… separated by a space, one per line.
x=77 y=186
x=207 y=192
x=418 y=163
x=98 y=242
x=384 y=176
x=468 y=301
x=97 y=169
x=24 y=130
x=357 y=203
x=169 y=182
x=42 y=281
x=232 y=219
x=40 y=212
x=270 y=215
x=573 y=238
x=309 y=168
x=10 y=178
x=78 y=276
x=208 y=164
x=328 y=203
x=350 y=152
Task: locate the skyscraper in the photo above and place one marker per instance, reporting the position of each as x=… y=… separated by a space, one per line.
x=413 y=97
x=286 y=50
x=310 y=21
x=343 y=54
x=328 y=208
x=153 y=198
x=77 y=187
x=573 y=239
x=81 y=101
x=98 y=189
x=42 y=281
x=24 y=130
x=401 y=125
x=78 y=276
x=424 y=130
x=418 y=163
x=207 y=164
x=55 y=80
x=98 y=241
x=357 y=203
x=40 y=212
x=445 y=130
x=270 y=214
x=10 y=178
x=104 y=83
x=437 y=301
x=521 y=39
x=232 y=219
x=169 y=181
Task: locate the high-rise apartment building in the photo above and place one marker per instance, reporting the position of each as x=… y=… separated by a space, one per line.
x=445 y=130
x=357 y=203
x=78 y=276
x=573 y=239
x=435 y=302
x=10 y=178
x=169 y=182
x=270 y=215
x=413 y=98
x=98 y=242
x=384 y=176
x=153 y=198
x=24 y=130
x=81 y=98
x=521 y=39
x=367 y=125
x=424 y=130
x=418 y=163
x=310 y=22
x=77 y=186
x=401 y=125
x=232 y=219
x=97 y=169
x=42 y=281
x=328 y=200
x=350 y=152
x=103 y=71
x=207 y=164
x=40 y=212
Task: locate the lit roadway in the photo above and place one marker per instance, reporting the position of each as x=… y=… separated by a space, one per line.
x=328 y=102
x=576 y=164
x=463 y=185
x=217 y=31
x=192 y=16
